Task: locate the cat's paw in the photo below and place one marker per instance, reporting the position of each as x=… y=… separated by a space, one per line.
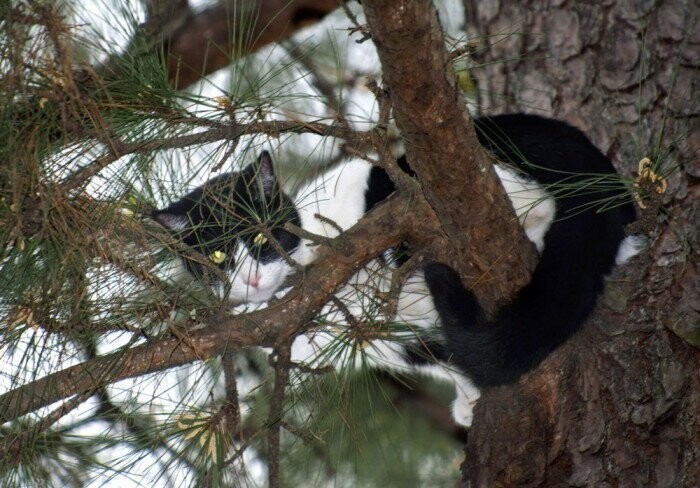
x=463 y=406
x=462 y=413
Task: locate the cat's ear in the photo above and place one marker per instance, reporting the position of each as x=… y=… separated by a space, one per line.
x=266 y=173
x=171 y=221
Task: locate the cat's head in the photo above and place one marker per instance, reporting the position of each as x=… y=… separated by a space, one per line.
x=228 y=220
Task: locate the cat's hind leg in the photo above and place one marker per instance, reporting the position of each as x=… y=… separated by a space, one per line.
x=463 y=405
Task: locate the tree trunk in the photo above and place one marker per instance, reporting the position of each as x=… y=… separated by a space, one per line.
x=619 y=404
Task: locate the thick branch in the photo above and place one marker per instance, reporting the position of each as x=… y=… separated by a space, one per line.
x=210 y=39
x=384 y=227
x=493 y=254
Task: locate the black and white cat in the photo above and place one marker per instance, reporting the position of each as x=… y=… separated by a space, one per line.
x=549 y=170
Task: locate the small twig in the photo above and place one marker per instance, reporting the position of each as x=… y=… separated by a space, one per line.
x=305 y=234
x=280 y=250
x=366 y=34
x=381 y=143
x=315 y=371
x=304 y=436
x=383 y=101
x=12 y=446
x=231 y=408
x=229 y=152
x=349 y=317
x=361 y=332
x=183 y=338
x=330 y=222
x=398 y=278
x=282 y=365
x=349 y=13
x=467 y=48
x=317 y=81
x=317 y=445
x=402 y=180
x=362 y=155
x=246 y=442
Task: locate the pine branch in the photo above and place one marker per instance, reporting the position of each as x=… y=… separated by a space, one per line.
x=385 y=226
x=119 y=149
x=231 y=408
x=13 y=445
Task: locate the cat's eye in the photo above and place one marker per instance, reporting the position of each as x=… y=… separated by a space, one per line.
x=217 y=257
x=259 y=239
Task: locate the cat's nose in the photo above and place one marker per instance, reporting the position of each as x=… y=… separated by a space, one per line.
x=253 y=279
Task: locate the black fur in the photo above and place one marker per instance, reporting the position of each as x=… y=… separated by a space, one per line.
x=580 y=248
x=379 y=187
x=425 y=352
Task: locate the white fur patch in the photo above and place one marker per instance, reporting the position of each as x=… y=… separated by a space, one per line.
x=629 y=247
x=339 y=196
x=463 y=406
x=533 y=206
x=270 y=277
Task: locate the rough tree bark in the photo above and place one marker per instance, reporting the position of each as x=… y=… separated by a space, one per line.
x=619 y=404
x=442 y=148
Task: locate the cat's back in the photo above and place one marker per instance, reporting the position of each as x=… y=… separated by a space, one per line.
x=550 y=148
x=338 y=195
